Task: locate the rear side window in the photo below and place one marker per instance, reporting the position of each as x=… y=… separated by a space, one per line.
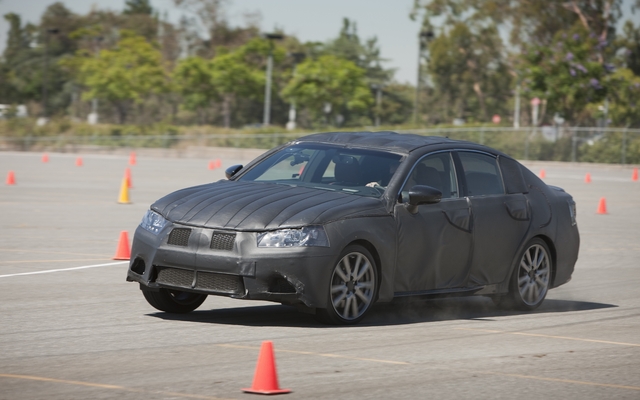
x=481 y=174
x=512 y=175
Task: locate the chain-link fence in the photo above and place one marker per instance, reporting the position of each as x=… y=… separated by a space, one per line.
x=604 y=145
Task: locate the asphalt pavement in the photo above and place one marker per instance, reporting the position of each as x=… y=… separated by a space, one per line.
x=72 y=328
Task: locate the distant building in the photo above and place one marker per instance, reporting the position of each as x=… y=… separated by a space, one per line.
x=6 y=110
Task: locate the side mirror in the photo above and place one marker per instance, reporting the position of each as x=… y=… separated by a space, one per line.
x=420 y=194
x=232 y=170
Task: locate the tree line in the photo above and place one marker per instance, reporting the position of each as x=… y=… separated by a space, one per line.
x=476 y=58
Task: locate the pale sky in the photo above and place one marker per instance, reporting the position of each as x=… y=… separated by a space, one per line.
x=306 y=19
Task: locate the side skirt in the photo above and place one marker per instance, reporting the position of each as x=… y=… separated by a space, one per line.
x=435 y=293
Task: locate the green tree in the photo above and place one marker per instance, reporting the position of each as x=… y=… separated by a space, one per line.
x=137 y=7
x=469 y=76
x=568 y=76
x=329 y=84
x=232 y=77
x=624 y=97
x=192 y=78
x=126 y=74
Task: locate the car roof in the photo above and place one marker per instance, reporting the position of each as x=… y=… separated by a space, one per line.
x=385 y=140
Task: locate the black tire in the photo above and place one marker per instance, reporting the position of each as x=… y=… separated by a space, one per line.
x=174 y=301
x=530 y=279
x=349 y=300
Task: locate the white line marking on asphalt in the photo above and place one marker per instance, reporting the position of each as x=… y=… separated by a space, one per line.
x=65 y=269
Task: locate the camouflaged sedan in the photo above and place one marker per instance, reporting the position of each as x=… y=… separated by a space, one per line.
x=335 y=222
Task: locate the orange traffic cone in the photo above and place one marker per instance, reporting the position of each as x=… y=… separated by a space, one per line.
x=124 y=192
x=45 y=158
x=265 y=380
x=123 y=252
x=127 y=176
x=602 y=206
x=543 y=174
x=218 y=163
x=11 y=178
x=212 y=165
x=79 y=162
x=587 y=178
x=634 y=175
x=132 y=158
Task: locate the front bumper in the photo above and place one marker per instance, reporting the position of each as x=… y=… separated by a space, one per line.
x=195 y=261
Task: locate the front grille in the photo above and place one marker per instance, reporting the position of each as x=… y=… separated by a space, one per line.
x=175 y=277
x=220 y=283
x=222 y=241
x=179 y=237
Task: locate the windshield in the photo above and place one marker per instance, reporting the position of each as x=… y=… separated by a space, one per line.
x=354 y=171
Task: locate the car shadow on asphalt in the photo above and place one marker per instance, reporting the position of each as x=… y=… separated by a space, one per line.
x=395 y=313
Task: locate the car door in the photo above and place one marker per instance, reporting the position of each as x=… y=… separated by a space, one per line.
x=500 y=219
x=434 y=243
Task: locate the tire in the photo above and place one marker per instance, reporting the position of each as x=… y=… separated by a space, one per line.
x=352 y=289
x=530 y=279
x=174 y=301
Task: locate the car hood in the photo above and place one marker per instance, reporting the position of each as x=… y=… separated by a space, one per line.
x=251 y=206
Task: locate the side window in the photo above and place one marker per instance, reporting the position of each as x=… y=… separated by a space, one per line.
x=481 y=174
x=437 y=171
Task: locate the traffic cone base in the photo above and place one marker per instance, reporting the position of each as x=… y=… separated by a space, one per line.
x=123 y=252
x=265 y=380
x=124 y=192
x=602 y=206
x=11 y=178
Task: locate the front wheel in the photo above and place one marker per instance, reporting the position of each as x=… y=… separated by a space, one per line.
x=352 y=289
x=530 y=280
x=174 y=301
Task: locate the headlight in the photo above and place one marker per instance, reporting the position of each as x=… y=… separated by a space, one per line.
x=153 y=222
x=307 y=236
x=572 y=211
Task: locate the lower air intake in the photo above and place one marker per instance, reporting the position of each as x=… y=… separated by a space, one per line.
x=221 y=283
x=175 y=277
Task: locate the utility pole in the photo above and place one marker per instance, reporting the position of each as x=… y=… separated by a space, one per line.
x=267 y=89
x=423 y=40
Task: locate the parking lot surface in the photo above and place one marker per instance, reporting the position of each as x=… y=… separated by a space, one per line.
x=72 y=328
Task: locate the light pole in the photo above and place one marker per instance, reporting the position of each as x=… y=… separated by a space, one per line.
x=423 y=40
x=45 y=70
x=92 y=118
x=291 y=125
x=267 y=89
x=378 y=90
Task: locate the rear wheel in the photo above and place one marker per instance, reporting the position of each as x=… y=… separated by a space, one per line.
x=352 y=289
x=174 y=301
x=530 y=280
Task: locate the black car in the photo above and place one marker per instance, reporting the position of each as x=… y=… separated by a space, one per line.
x=335 y=222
